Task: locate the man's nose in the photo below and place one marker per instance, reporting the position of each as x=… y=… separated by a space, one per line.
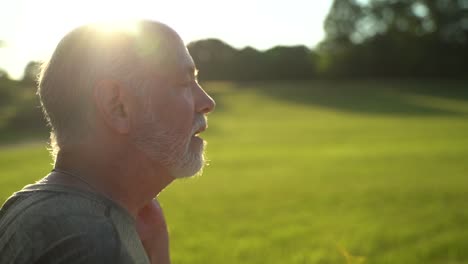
x=204 y=103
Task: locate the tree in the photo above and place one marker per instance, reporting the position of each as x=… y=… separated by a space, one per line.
x=4 y=75
x=396 y=38
x=342 y=22
x=31 y=72
x=213 y=58
x=290 y=63
x=219 y=61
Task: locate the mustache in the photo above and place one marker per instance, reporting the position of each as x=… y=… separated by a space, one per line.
x=200 y=123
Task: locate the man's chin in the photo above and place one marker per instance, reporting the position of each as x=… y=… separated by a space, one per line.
x=191 y=165
x=187 y=172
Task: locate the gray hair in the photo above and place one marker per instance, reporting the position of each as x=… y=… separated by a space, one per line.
x=86 y=55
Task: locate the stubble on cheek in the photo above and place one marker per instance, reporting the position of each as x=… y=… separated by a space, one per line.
x=174 y=148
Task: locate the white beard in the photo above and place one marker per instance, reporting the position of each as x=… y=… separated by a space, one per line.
x=171 y=149
x=190 y=164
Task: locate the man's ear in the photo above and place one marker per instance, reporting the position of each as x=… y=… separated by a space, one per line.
x=112 y=105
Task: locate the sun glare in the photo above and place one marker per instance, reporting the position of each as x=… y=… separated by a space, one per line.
x=110 y=26
x=108 y=15
x=33 y=28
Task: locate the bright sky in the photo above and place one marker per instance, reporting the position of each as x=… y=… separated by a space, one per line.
x=32 y=28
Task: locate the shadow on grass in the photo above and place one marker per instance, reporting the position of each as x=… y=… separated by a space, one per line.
x=412 y=98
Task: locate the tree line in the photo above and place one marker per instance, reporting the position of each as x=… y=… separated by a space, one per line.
x=396 y=38
x=364 y=39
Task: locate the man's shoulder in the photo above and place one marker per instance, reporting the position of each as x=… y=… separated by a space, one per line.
x=41 y=206
x=41 y=224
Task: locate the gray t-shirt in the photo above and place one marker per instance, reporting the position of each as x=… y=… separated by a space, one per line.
x=52 y=223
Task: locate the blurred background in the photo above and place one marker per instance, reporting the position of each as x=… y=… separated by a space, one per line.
x=340 y=134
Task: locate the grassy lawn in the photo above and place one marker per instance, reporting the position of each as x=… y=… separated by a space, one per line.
x=316 y=172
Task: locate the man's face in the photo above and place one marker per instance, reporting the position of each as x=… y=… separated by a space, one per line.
x=171 y=116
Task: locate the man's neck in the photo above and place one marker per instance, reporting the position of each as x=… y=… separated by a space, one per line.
x=130 y=179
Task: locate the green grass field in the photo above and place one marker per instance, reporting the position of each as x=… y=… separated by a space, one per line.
x=316 y=172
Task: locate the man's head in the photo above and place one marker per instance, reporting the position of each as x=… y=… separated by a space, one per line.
x=137 y=83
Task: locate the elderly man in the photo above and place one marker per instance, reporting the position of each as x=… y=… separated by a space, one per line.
x=125 y=111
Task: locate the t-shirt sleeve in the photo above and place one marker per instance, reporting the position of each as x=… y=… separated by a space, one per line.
x=59 y=229
x=50 y=241
x=82 y=249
